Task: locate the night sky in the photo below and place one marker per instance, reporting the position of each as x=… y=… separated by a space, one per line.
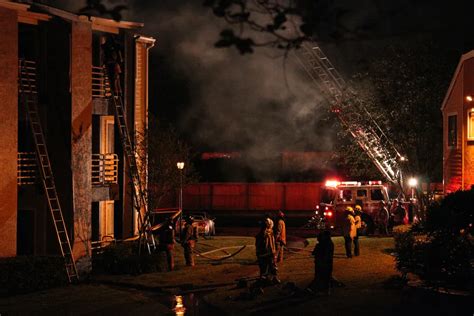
x=261 y=103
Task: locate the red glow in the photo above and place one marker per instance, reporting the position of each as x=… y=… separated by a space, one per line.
x=329 y=214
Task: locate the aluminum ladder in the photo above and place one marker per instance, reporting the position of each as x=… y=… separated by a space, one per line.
x=29 y=99
x=351 y=112
x=139 y=191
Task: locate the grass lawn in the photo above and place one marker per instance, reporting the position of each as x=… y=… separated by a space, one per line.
x=369 y=288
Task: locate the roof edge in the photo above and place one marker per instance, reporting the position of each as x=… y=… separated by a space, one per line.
x=463 y=58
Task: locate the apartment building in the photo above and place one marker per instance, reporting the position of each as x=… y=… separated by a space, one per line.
x=58 y=71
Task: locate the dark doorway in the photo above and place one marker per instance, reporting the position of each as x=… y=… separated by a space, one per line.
x=26 y=232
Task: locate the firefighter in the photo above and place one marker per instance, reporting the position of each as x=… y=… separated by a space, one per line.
x=280 y=236
x=383 y=218
x=367 y=220
x=349 y=230
x=399 y=214
x=265 y=251
x=166 y=242
x=112 y=59
x=358 y=224
x=323 y=262
x=188 y=240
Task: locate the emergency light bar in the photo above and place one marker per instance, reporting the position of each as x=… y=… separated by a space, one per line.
x=375 y=182
x=335 y=183
x=350 y=183
x=332 y=183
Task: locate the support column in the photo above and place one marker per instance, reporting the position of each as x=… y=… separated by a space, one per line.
x=81 y=155
x=8 y=131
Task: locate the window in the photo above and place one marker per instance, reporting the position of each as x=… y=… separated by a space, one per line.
x=328 y=196
x=347 y=195
x=362 y=193
x=470 y=124
x=107 y=135
x=376 y=195
x=452 y=130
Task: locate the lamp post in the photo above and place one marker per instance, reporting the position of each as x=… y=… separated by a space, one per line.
x=412 y=183
x=180 y=166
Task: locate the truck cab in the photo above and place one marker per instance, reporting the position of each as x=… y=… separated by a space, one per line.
x=336 y=196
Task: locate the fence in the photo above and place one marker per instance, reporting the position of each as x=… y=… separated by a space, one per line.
x=251 y=196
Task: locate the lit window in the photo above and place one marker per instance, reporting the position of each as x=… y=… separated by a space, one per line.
x=470 y=124
x=452 y=130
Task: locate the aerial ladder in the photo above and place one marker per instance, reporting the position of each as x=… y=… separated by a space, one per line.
x=146 y=239
x=29 y=100
x=352 y=113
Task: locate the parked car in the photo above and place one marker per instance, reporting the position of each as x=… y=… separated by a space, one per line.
x=204 y=223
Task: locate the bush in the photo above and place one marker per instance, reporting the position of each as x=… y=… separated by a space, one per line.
x=454 y=213
x=441 y=251
x=123 y=258
x=25 y=274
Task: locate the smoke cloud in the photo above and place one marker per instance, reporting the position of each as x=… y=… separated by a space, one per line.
x=258 y=104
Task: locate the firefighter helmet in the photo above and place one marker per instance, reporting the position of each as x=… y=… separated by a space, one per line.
x=358 y=208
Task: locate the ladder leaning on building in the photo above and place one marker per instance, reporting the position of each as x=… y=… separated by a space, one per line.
x=139 y=191
x=29 y=100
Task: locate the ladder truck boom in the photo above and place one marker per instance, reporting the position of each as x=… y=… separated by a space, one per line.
x=352 y=113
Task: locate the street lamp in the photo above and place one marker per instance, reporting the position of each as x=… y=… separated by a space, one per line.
x=180 y=166
x=412 y=183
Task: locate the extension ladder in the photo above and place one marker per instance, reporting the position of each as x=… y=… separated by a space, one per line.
x=139 y=193
x=29 y=99
x=351 y=112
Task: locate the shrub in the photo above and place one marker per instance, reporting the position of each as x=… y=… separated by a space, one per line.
x=25 y=274
x=441 y=252
x=454 y=213
x=123 y=258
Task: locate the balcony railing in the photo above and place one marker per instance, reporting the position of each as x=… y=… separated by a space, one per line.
x=100 y=86
x=26 y=168
x=27 y=76
x=104 y=169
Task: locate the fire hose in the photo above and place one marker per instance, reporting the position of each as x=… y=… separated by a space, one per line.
x=227 y=256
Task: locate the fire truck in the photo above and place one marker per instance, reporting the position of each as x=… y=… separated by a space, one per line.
x=337 y=195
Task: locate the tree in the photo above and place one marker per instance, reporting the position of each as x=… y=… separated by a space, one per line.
x=403 y=90
x=285 y=24
x=165 y=149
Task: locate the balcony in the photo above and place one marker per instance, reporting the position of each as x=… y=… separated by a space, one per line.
x=26 y=168
x=27 y=76
x=100 y=86
x=104 y=169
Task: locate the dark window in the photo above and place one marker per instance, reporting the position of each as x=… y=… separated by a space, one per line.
x=452 y=130
x=362 y=193
x=347 y=195
x=376 y=195
x=328 y=196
